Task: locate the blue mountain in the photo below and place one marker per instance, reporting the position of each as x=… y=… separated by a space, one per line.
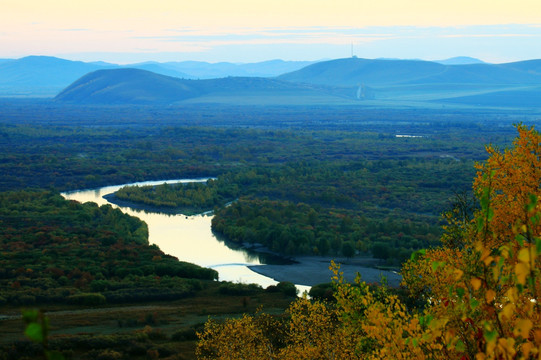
x=136 y=86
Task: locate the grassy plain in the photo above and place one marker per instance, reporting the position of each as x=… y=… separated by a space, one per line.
x=136 y=331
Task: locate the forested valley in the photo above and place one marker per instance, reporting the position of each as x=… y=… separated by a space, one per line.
x=302 y=186
x=476 y=296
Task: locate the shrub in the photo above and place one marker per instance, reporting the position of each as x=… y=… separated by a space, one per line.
x=91 y=299
x=184 y=335
x=228 y=288
x=287 y=288
x=322 y=292
x=26 y=299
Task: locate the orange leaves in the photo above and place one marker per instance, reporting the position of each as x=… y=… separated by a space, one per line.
x=489 y=296
x=493 y=280
x=476 y=283
x=482 y=290
x=512 y=178
x=457 y=274
x=523 y=327
x=526 y=257
x=234 y=339
x=522 y=270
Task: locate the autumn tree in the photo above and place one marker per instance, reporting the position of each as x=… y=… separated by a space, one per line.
x=479 y=292
x=488 y=289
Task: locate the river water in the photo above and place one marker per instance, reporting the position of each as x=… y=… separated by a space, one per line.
x=189 y=238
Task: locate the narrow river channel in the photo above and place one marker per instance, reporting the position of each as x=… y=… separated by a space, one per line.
x=189 y=238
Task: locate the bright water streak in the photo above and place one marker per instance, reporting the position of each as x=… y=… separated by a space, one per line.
x=189 y=238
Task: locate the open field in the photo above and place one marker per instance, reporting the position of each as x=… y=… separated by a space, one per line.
x=146 y=327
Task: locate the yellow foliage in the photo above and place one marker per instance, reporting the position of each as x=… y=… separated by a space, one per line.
x=233 y=340
x=476 y=283
x=481 y=288
x=492 y=283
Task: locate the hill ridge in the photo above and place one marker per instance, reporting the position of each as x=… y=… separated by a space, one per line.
x=127 y=85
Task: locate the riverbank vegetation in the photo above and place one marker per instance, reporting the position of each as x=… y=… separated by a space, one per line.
x=477 y=298
x=338 y=170
x=385 y=208
x=108 y=292
x=186 y=198
x=59 y=251
x=103 y=287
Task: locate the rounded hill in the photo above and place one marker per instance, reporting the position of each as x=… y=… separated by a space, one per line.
x=356 y=71
x=117 y=86
x=135 y=86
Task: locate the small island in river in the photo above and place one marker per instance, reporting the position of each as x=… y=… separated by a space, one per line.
x=300 y=269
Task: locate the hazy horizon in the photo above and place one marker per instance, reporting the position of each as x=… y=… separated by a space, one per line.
x=241 y=31
x=238 y=62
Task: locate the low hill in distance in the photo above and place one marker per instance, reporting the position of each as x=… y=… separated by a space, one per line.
x=46 y=76
x=205 y=70
x=135 y=86
x=117 y=86
x=40 y=76
x=460 y=60
x=355 y=71
x=424 y=83
x=377 y=83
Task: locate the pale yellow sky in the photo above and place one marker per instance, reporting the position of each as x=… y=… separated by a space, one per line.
x=180 y=26
x=159 y=14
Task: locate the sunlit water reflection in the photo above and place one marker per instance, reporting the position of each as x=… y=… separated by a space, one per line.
x=189 y=238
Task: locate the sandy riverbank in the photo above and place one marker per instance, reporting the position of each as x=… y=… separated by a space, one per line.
x=312 y=270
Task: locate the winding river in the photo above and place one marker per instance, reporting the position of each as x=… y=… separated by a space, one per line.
x=189 y=238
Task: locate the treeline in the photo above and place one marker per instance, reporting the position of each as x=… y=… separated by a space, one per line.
x=54 y=250
x=375 y=175
x=384 y=208
x=299 y=229
x=188 y=198
x=416 y=186
x=474 y=297
x=74 y=157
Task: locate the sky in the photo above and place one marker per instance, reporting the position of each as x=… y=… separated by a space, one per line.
x=129 y=31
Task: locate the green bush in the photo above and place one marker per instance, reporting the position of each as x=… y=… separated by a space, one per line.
x=228 y=288
x=322 y=292
x=91 y=299
x=184 y=335
x=26 y=299
x=287 y=288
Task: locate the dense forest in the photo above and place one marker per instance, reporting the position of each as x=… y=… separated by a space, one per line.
x=336 y=180
x=60 y=255
x=59 y=251
x=474 y=297
x=186 y=198
x=373 y=177
x=342 y=207
x=76 y=147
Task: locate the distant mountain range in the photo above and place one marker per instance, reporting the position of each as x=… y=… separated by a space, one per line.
x=205 y=70
x=39 y=75
x=460 y=60
x=458 y=81
x=136 y=86
x=425 y=83
x=354 y=71
x=44 y=76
